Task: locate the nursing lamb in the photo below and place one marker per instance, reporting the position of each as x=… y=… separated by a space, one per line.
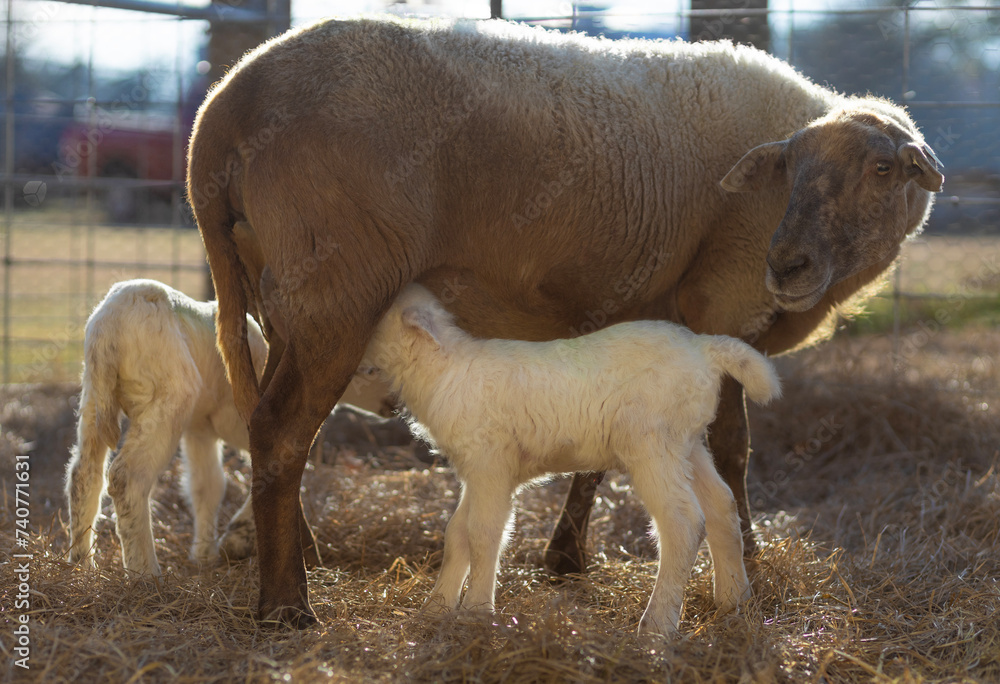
x=636 y=396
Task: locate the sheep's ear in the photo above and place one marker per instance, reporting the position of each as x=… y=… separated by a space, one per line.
x=423 y=321
x=761 y=167
x=922 y=165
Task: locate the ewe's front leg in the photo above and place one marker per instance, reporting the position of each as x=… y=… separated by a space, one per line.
x=566 y=551
x=729 y=441
x=205 y=485
x=722 y=526
x=491 y=507
x=455 y=566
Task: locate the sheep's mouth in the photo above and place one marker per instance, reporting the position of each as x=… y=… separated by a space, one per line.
x=794 y=298
x=796 y=302
x=799 y=302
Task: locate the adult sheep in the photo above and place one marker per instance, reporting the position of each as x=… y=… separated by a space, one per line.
x=539 y=183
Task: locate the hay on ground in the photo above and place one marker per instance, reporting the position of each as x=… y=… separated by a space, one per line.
x=876 y=495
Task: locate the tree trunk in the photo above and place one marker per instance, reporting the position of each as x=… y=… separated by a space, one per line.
x=734 y=22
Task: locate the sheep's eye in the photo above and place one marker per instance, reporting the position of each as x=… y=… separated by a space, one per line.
x=882 y=168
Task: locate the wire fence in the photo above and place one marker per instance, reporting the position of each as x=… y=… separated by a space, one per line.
x=98 y=105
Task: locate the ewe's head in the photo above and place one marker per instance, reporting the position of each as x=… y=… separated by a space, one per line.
x=860 y=182
x=413 y=327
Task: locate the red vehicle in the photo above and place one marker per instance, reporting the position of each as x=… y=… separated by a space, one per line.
x=139 y=158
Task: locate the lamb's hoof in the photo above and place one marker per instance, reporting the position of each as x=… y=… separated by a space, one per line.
x=85 y=562
x=238 y=543
x=205 y=554
x=289 y=616
x=435 y=607
x=649 y=627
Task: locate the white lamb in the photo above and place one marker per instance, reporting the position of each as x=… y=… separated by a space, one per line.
x=635 y=396
x=149 y=351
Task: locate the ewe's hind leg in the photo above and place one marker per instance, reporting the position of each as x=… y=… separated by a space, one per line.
x=84 y=486
x=722 y=525
x=455 y=566
x=151 y=441
x=661 y=482
x=205 y=486
x=491 y=506
x=305 y=387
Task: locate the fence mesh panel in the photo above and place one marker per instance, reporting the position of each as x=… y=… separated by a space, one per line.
x=98 y=106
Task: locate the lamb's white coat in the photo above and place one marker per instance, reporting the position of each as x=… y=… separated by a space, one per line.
x=150 y=353
x=636 y=397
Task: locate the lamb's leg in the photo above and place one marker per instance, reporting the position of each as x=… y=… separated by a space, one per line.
x=84 y=486
x=661 y=482
x=729 y=441
x=722 y=526
x=566 y=551
x=205 y=486
x=303 y=391
x=455 y=566
x=491 y=508
x=150 y=443
x=240 y=538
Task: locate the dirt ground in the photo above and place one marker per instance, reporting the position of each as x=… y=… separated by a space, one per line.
x=874 y=485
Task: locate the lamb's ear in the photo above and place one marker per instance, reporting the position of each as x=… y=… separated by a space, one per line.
x=761 y=167
x=423 y=321
x=922 y=165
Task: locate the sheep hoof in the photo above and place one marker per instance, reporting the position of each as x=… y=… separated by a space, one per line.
x=435 y=606
x=205 y=554
x=559 y=562
x=649 y=627
x=290 y=616
x=238 y=543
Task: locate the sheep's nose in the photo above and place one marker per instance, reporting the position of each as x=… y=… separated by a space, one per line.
x=787 y=268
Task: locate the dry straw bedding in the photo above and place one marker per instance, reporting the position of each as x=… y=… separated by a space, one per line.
x=876 y=494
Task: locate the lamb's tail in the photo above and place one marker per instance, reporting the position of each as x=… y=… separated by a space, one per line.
x=747 y=366
x=97 y=431
x=212 y=169
x=100 y=412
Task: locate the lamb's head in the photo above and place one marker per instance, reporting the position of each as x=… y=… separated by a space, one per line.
x=860 y=181
x=413 y=326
